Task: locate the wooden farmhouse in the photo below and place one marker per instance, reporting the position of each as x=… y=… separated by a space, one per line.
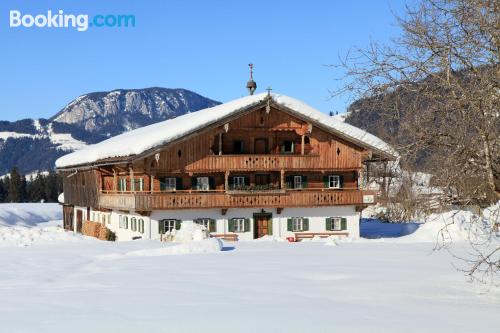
x=265 y=164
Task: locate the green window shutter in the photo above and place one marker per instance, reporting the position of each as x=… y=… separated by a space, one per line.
x=178 y=183
x=270 y=227
x=162 y=183
x=341 y=180
x=211 y=226
x=247 y=225
x=231 y=181
x=211 y=183
x=230 y=225
x=343 y=223
x=304 y=181
x=305 y=224
x=193 y=183
x=328 y=223
x=161 y=229
x=289 y=226
x=177 y=224
x=289 y=181
x=325 y=181
x=247 y=180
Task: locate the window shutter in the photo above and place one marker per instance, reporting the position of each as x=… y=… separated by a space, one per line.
x=178 y=183
x=247 y=180
x=211 y=226
x=289 y=226
x=305 y=223
x=230 y=225
x=289 y=181
x=247 y=225
x=161 y=229
x=211 y=183
x=341 y=180
x=125 y=223
x=231 y=181
x=304 y=181
x=325 y=181
x=343 y=223
x=177 y=224
x=329 y=223
x=283 y=147
x=270 y=227
x=194 y=182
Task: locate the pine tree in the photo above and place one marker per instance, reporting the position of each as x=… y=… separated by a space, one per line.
x=14 y=186
x=3 y=190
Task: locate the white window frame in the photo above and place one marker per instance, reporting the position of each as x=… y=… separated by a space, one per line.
x=123 y=222
x=170 y=183
x=140 y=225
x=122 y=186
x=297 y=224
x=336 y=223
x=333 y=181
x=170 y=223
x=297 y=182
x=239 y=224
x=203 y=222
x=133 y=224
x=203 y=183
x=238 y=181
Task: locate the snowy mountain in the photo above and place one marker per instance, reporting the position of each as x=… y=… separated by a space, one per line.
x=121 y=110
x=34 y=144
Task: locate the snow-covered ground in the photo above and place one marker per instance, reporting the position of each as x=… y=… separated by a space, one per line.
x=79 y=284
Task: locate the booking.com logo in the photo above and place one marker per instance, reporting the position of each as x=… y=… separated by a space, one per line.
x=80 y=22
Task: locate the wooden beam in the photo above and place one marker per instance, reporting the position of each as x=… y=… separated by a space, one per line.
x=132 y=183
x=282 y=179
x=151 y=184
x=226 y=180
x=220 y=143
x=302 y=144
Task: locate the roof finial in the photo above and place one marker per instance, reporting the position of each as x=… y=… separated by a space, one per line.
x=251 y=85
x=269 y=90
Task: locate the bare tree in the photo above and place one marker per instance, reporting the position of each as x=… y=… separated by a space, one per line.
x=437 y=90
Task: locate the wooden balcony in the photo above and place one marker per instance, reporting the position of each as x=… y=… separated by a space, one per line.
x=256 y=162
x=185 y=200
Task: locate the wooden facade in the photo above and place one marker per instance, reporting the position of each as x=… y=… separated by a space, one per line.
x=266 y=149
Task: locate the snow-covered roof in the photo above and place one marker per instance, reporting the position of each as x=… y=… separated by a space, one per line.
x=142 y=139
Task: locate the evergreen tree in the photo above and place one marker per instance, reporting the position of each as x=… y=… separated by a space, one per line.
x=37 y=189
x=3 y=190
x=51 y=187
x=14 y=186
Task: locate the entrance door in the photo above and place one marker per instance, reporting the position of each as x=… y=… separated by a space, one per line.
x=263 y=225
x=79 y=220
x=262 y=179
x=260 y=146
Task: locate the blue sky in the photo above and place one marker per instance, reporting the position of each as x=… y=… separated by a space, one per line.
x=204 y=46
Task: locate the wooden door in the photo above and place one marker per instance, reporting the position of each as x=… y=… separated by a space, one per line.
x=262 y=179
x=260 y=146
x=262 y=226
x=79 y=220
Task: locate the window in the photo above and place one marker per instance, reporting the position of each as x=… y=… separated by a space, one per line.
x=168 y=184
x=139 y=184
x=202 y=183
x=288 y=147
x=297 y=181
x=209 y=224
x=133 y=224
x=238 y=182
x=141 y=225
x=168 y=225
x=307 y=140
x=297 y=224
x=123 y=223
x=336 y=223
x=122 y=184
x=239 y=225
x=334 y=181
x=238 y=146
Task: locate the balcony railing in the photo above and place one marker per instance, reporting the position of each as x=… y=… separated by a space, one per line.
x=256 y=162
x=220 y=199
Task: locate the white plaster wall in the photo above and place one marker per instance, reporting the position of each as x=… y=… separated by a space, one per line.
x=128 y=234
x=316 y=216
x=317 y=219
